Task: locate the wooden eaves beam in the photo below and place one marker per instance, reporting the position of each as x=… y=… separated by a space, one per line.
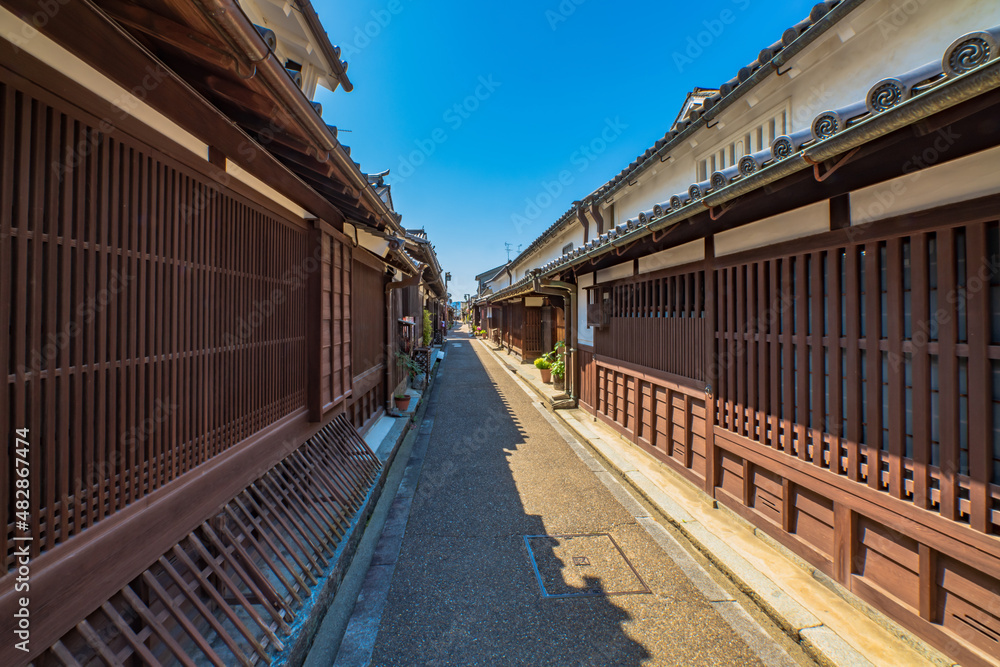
x=86 y=31
x=165 y=31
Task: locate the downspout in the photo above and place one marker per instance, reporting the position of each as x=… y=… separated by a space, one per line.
x=581 y=215
x=241 y=34
x=567 y=292
x=595 y=213
x=391 y=328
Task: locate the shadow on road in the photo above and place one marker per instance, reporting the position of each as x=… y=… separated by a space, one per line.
x=465 y=591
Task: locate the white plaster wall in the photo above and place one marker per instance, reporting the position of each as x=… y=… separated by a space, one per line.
x=551 y=250
x=584 y=334
x=501 y=281
x=25 y=37
x=293 y=36
x=879 y=40
x=966 y=178
x=805 y=221
x=237 y=172
x=374 y=244
x=682 y=254
x=623 y=270
x=657 y=184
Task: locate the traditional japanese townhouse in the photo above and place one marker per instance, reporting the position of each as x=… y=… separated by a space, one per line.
x=793 y=300
x=197 y=284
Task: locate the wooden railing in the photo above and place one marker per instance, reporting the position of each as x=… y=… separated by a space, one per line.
x=670 y=344
x=852 y=386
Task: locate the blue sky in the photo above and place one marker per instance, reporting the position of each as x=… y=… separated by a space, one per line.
x=477 y=108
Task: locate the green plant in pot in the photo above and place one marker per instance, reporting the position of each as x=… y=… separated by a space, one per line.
x=402 y=402
x=545 y=367
x=413 y=369
x=428 y=330
x=557 y=364
x=558 y=372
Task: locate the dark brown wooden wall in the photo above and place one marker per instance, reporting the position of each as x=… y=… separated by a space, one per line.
x=588 y=377
x=513 y=328
x=655 y=321
x=856 y=409
x=155 y=319
x=335 y=330
x=663 y=414
x=369 y=351
x=533 y=332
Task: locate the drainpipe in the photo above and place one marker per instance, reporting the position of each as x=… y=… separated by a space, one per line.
x=391 y=328
x=231 y=23
x=581 y=215
x=567 y=292
x=595 y=213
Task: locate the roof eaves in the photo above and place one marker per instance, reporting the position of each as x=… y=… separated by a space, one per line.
x=831 y=134
x=821 y=18
x=331 y=53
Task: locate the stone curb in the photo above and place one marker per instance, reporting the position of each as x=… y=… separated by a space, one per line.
x=819 y=641
x=304 y=641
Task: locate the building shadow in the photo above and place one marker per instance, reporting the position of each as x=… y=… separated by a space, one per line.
x=465 y=589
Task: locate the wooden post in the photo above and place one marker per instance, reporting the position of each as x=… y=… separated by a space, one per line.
x=314 y=297
x=928 y=583
x=711 y=370
x=844 y=543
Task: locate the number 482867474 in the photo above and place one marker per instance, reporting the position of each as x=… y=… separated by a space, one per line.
x=22 y=493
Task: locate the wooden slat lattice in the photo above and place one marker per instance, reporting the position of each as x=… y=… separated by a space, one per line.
x=156 y=318
x=230 y=592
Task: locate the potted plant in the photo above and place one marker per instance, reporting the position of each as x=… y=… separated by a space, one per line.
x=557 y=364
x=413 y=369
x=559 y=373
x=545 y=367
x=402 y=402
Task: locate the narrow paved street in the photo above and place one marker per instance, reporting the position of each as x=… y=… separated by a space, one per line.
x=465 y=590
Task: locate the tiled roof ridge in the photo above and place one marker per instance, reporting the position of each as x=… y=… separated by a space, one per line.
x=728 y=93
x=971 y=51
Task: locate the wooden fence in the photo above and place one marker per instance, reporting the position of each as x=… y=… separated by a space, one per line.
x=155 y=319
x=656 y=321
x=170 y=334
x=369 y=341
x=854 y=408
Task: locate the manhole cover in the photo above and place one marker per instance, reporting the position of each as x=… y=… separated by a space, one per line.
x=582 y=565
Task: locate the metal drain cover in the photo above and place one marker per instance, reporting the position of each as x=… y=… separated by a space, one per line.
x=568 y=566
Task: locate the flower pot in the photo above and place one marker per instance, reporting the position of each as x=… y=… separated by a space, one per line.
x=546 y=375
x=402 y=404
x=559 y=382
